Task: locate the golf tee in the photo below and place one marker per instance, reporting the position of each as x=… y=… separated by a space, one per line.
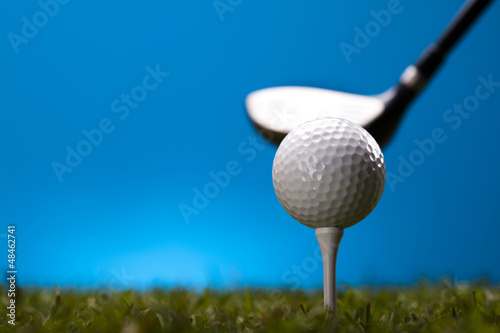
x=329 y=241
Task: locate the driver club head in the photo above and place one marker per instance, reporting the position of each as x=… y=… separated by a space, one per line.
x=276 y=111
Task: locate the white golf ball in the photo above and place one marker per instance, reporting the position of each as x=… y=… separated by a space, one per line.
x=329 y=172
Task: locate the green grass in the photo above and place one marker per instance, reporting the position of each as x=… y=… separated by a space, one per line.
x=425 y=308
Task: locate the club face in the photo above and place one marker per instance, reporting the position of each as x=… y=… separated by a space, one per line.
x=276 y=111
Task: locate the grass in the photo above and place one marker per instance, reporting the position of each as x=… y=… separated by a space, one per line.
x=424 y=308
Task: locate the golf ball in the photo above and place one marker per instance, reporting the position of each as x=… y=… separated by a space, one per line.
x=329 y=172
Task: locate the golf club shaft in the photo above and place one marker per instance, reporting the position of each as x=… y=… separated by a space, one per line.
x=416 y=76
x=329 y=241
x=435 y=54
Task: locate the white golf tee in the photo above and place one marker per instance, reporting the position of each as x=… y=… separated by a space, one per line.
x=329 y=241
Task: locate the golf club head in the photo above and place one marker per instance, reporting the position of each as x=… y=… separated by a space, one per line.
x=276 y=111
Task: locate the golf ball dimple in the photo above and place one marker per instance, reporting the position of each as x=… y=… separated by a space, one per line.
x=329 y=172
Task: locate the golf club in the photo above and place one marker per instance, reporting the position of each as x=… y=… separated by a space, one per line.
x=276 y=111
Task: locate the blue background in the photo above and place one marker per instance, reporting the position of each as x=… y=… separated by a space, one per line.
x=115 y=219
